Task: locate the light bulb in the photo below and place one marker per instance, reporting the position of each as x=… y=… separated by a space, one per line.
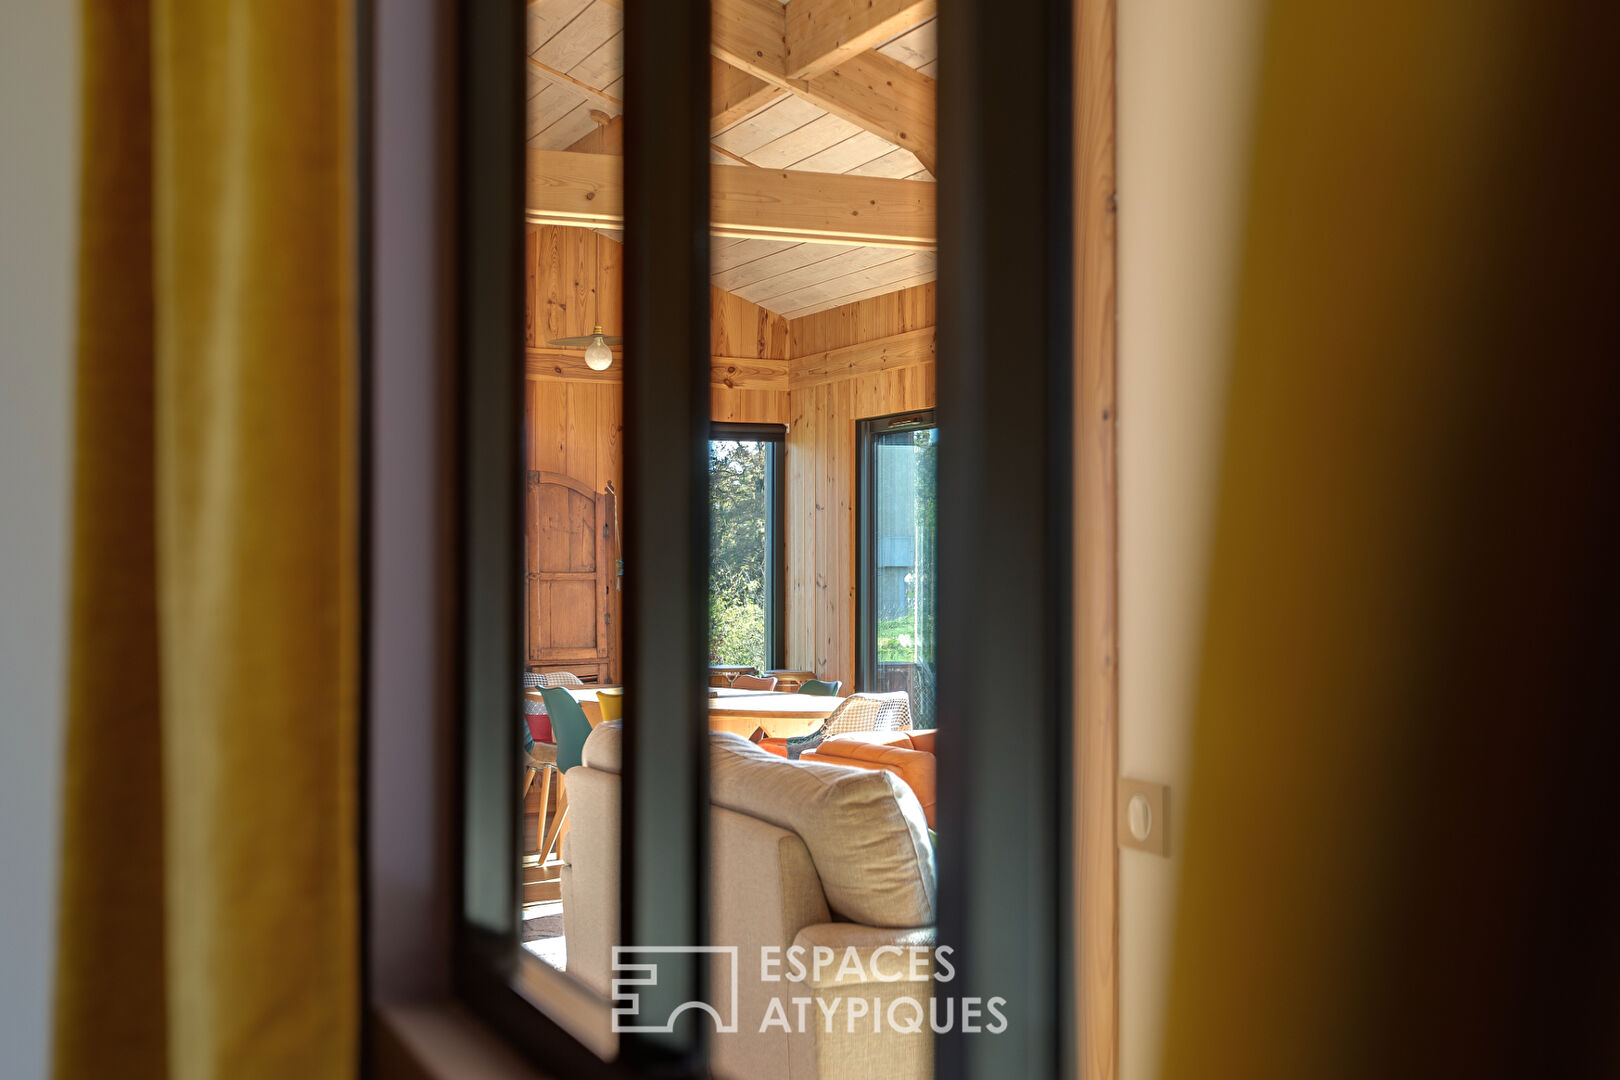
x=598 y=357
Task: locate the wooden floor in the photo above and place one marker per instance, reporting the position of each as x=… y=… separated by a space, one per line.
x=541 y=931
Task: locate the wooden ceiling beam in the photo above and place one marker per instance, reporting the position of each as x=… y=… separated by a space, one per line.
x=608 y=138
x=879 y=354
x=587 y=191
x=870 y=90
x=734 y=93
x=821 y=34
x=882 y=95
x=727 y=372
x=750 y=35
x=601 y=98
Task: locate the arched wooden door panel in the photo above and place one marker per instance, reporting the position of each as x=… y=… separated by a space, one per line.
x=571 y=570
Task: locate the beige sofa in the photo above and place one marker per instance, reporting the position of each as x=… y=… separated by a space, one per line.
x=803 y=855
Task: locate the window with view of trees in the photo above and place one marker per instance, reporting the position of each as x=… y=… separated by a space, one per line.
x=899 y=502
x=743 y=547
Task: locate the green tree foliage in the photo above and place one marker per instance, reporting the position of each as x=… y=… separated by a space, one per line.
x=737 y=529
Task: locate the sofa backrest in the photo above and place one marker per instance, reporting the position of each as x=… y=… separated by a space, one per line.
x=785 y=838
x=865 y=830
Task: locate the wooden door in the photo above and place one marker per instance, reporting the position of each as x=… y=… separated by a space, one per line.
x=572 y=578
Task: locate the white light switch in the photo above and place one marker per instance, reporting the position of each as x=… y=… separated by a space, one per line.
x=1142 y=819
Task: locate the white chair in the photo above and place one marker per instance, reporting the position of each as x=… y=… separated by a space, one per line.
x=858 y=712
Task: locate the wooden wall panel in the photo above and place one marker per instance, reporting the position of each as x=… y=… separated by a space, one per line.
x=575 y=426
x=864 y=320
x=609 y=285
x=1096 y=561
x=823 y=489
x=739 y=328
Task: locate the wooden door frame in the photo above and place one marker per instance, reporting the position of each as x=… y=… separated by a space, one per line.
x=1096 y=576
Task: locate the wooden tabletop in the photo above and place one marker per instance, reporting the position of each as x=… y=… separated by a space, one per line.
x=782 y=716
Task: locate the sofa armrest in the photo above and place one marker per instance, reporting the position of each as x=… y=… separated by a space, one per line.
x=860 y=944
x=866 y=1023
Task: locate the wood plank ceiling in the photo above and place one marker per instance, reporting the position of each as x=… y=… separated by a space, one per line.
x=576 y=74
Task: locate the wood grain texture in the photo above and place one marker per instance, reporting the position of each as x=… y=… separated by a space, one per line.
x=587 y=190
x=604 y=139
x=749 y=35
x=851 y=324
x=726 y=372
x=556 y=77
x=574 y=417
x=867 y=89
x=824 y=33
x=868 y=358
x=879 y=354
x=882 y=95
x=734 y=93
x=1096 y=600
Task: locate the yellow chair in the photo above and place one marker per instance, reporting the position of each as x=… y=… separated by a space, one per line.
x=611 y=703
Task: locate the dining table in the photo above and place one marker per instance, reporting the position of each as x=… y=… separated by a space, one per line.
x=779 y=715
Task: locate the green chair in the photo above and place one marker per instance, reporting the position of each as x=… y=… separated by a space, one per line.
x=568 y=726
x=818 y=688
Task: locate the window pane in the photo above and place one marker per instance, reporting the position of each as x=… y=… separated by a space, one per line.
x=902 y=577
x=741 y=537
x=574 y=510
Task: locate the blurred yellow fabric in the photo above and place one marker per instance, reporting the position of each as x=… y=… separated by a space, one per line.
x=209 y=905
x=1398 y=855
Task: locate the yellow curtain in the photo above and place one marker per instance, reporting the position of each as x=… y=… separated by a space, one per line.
x=209 y=904
x=1399 y=859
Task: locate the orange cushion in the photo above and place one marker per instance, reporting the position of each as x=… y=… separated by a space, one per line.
x=891 y=751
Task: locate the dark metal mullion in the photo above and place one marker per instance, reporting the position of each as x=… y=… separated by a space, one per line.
x=775 y=556
x=666 y=541
x=489 y=549
x=1004 y=469
x=866 y=600
x=489 y=317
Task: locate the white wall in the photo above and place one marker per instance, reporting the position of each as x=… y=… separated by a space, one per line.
x=1186 y=72
x=39 y=92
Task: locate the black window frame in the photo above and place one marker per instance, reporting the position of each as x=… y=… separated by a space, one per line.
x=1005 y=880
x=775 y=438
x=866 y=433
x=664 y=829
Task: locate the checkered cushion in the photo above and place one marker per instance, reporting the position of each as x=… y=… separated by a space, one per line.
x=535 y=680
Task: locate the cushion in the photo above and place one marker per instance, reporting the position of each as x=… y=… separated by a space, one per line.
x=604 y=747
x=891 y=751
x=866 y=831
x=534 y=711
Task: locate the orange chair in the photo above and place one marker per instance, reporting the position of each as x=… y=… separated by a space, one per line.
x=752 y=682
x=909 y=754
